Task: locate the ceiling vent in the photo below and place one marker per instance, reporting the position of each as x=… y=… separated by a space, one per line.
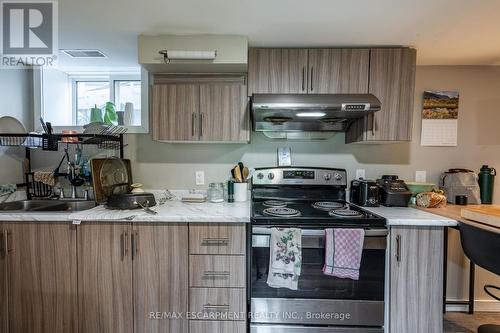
x=85 y=53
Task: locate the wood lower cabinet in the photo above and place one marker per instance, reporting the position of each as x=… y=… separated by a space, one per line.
x=217 y=327
x=278 y=71
x=217 y=238
x=4 y=320
x=227 y=303
x=39 y=278
x=105 y=278
x=160 y=256
x=392 y=81
x=416 y=280
x=338 y=71
x=217 y=271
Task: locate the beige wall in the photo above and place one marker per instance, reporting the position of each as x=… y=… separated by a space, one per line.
x=173 y=165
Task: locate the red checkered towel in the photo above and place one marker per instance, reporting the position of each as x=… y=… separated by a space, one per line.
x=343 y=251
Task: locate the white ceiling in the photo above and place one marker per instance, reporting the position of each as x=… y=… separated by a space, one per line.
x=445 y=32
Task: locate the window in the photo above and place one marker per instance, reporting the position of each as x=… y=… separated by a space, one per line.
x=88 y=95
x=66 y=99
x=128 y=100
x=125 y=93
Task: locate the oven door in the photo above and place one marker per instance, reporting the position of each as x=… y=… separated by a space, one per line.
x=320 y=299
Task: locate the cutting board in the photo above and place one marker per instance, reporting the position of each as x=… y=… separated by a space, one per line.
x=489 y=215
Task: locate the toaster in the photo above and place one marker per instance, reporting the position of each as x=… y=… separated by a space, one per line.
x=364 y=193
x=393 y=191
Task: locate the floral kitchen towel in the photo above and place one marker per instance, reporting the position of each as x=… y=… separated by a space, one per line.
x=285 y=258
x=344 y=248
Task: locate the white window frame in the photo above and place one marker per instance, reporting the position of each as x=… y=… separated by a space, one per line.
x=143 y=77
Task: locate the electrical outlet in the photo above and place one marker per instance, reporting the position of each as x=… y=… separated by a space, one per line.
x=200 y=177
x=360 y=174
x=421 y=176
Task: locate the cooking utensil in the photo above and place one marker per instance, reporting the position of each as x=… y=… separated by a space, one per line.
x=245 y=173
x=237 y=174
x=131 y=201
x=44 y=126
x=101 y=190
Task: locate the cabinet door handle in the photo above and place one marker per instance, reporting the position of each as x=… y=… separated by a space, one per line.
x=216 y=306
x=215 y=241
x=126 y=243
x=3 y=243
x=214 y=274
x=398 y=248
x=303 y=78
x=8 y=245
x=193 y=121
x=312 y=72
x=201 y=124
x=135 y=244
x=373 y=124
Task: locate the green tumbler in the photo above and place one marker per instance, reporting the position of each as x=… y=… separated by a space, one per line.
x=486 y=183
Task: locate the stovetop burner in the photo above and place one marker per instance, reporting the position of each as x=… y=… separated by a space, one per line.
x=345 y=213
x=281 y=212
x=328 y=205
x=274 y=203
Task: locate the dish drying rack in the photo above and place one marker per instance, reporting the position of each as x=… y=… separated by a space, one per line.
x=108 y=138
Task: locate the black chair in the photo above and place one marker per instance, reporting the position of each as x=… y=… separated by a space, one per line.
x=482 y=246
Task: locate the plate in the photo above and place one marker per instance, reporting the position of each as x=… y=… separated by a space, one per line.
x=11 y=125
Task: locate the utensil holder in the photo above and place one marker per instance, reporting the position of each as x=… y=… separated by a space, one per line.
x=240 y=192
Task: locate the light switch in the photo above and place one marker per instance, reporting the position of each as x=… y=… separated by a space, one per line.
x=360 y=174
x=200 y=177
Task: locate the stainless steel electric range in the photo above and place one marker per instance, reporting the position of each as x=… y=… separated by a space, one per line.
x=313 y=199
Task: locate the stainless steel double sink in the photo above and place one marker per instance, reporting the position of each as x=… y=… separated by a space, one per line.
x=46 y=206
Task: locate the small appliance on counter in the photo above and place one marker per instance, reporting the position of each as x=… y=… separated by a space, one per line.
x=364 y=193
x=393 y=191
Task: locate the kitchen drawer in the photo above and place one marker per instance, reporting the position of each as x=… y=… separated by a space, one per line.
x=217 y=327
x=217 y=271
x=218 y=303
x=217 y=238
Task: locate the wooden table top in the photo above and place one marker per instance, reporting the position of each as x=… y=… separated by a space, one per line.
x=454 y=212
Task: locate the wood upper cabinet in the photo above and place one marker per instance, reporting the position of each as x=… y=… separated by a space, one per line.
x=175 y=112
x=277 y=71
x=105 y=278
x=224 y=112
x=160 y=257
x=200 y=108
x=416 y=274
x=338 y=71
x=392 y=81
x=39 y=260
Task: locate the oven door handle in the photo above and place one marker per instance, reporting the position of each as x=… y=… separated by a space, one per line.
x=321 y=232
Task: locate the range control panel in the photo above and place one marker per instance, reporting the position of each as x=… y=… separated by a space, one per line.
x=300 y=176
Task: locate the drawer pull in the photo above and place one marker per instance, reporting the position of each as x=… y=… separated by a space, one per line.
x=216 y=307
x=214 y=274
x=215 y=241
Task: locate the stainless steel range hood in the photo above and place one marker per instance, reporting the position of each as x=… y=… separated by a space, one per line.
x=280 y=113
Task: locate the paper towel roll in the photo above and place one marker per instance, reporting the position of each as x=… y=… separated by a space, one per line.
x=190 y=55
